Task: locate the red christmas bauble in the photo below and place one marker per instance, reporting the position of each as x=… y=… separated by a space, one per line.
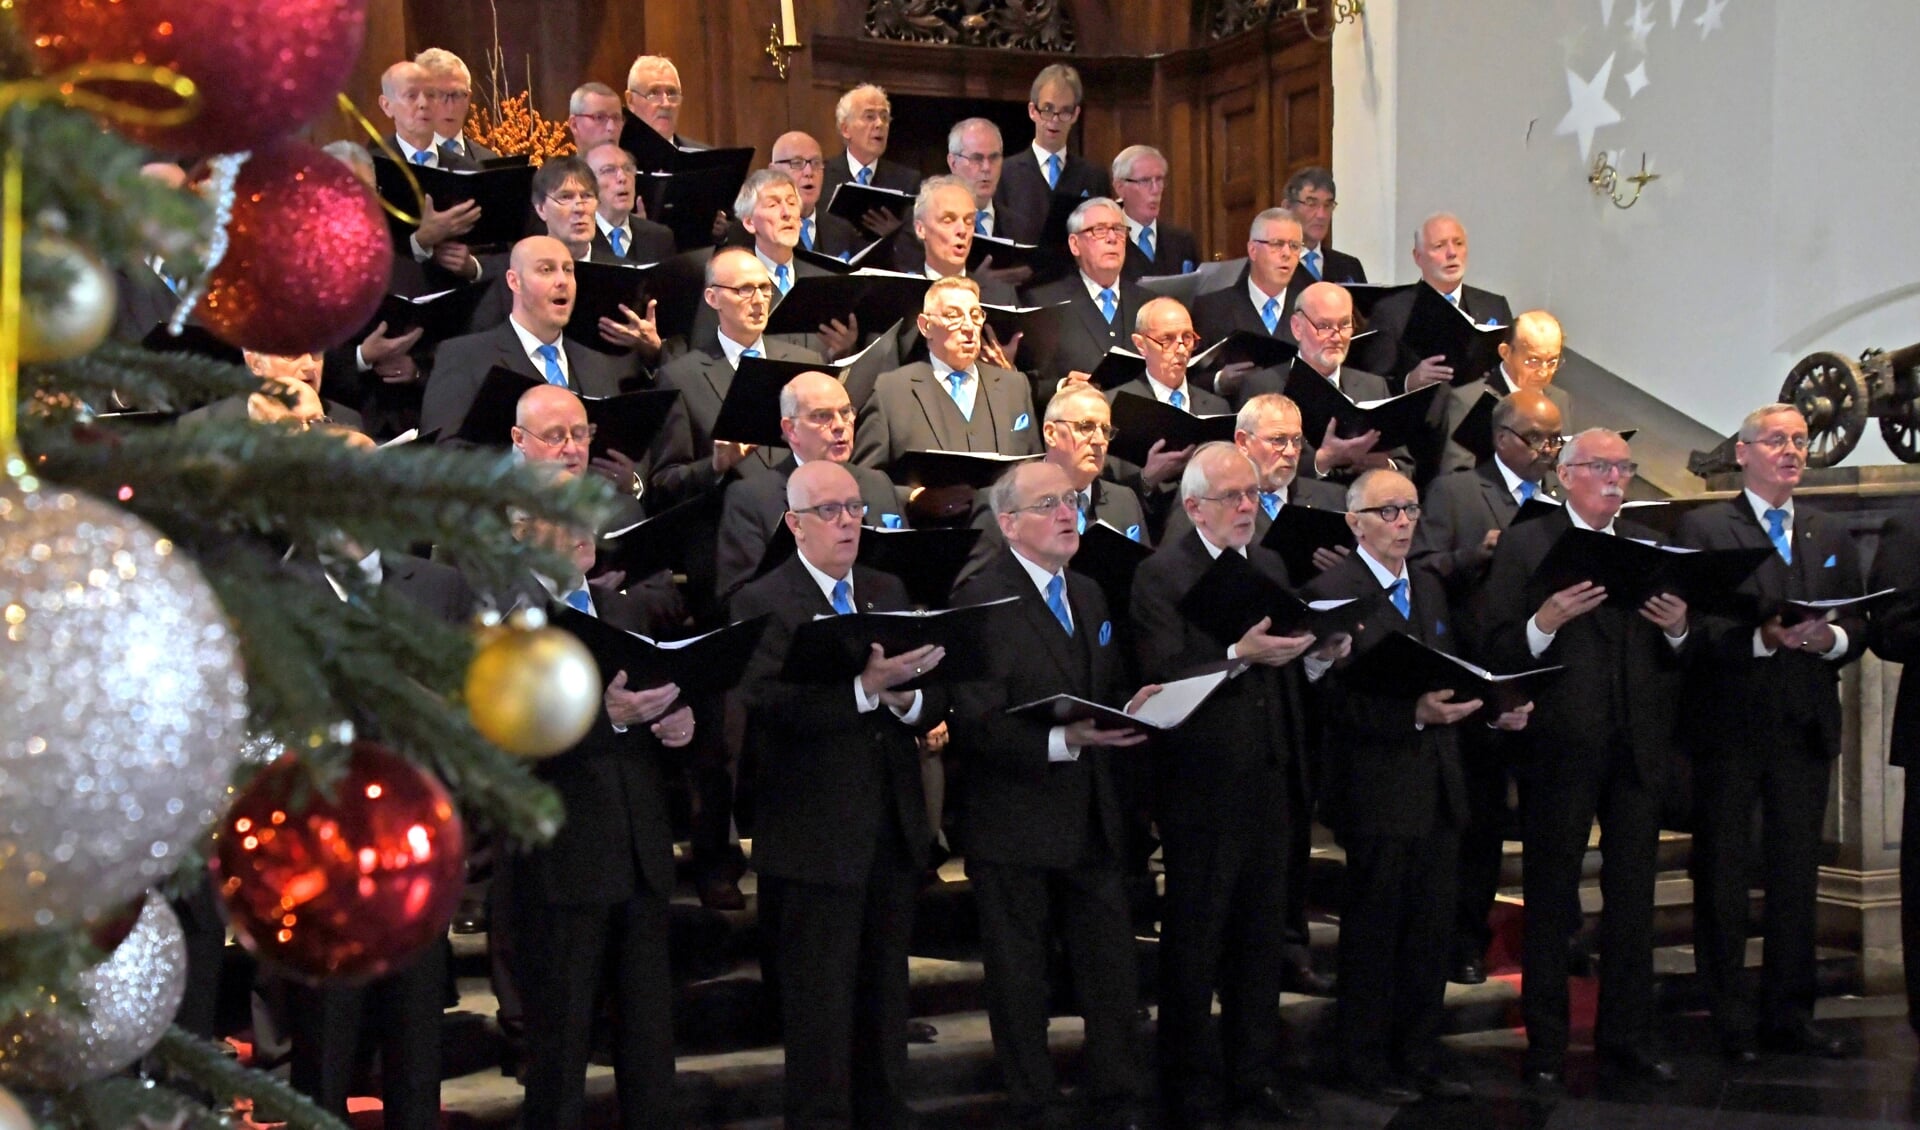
x=264 y=67
x=347 y=886
x=308 y=255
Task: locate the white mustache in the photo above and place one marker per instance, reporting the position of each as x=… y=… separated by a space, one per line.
x=1613 y=492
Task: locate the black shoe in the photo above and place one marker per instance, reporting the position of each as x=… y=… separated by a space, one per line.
x=921 y=1032
x=1299 y=977
x=1470 y=971
x=1437 y=1084
x=1641 y=1064
x=1381 y=1087
x=1268 y=1105
x=1806 y=1038
x=1739 y=1048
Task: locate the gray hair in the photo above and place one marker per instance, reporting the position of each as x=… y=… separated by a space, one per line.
x=644 y=63
x=1062 y=74
x=439 y=60
x=956 y=145
x=923 y=200
x=577 y=101
x=707 y=275
x=1420 y=233
x=843 y=109
x=1066 y=397
x=1572 y=451
x=1313 y=176
x=1195 y=481
x=1357 y=489
x=1248 y=419
x=1002 y=496
x=1126 y=159
x=1077 y=222
x=756 y=183
x=1750 y=427
x=1272 y=215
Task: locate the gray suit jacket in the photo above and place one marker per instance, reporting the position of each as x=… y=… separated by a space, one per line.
x=755 y=506
x=1458 y=510
x=911 y=411
x=462 y=363
x=681 y=457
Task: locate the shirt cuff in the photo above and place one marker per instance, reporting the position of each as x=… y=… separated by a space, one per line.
x=1057 y=747
x=618 y=728
x=1760 y=650
x=867 y=705
x=1839 y=648
x=911 y=714
x=420 y=254
x=1538 y=641
x=1233 y=651
x=1677 y=642
x=1316 y=667
x=360 y=360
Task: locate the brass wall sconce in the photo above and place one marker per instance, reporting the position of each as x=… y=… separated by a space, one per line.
x=1344 y=12
x=783 y=40
x=1606 y=181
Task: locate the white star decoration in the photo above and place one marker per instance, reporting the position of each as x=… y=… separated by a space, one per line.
x=1674 y=8
x=1709 y=21
x=1636 y=79
x=1590 y=110
x=1606 y=13
x=1642 y=23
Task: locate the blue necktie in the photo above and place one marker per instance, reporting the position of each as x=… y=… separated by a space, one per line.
x=1178 y=399
x=865 y=176
x=1526 y=491
x=1146 y=243
x=1312 y=262
x=550 y=361
x=842 y=597
x=421 y=156
x=1080 y=512
x=1777 y=530
x=618 y=239
x=1454 y=298
x=1270 y=502
x=782 y=279
x=1057 y=600
x=806 y=233
x=980 y=223
x=579 y=601
x=749 y=353
x=1109 y=304
x=1270 y=314
x=1397 y=593
x=955 y=379
x=1053 y=170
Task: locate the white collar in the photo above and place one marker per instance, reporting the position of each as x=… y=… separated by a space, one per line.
x=1041 y=578
x=1761 y=506
x=1581 y=523
x=732 y=349
x=1380 y=572
x=1094 y=289
x=793 y=273
x=1041 y=156
x=1133 y=230
x=623 y=226
x=1507 y=376
x=1513 y=481
x=368 y=567
x=1165 y=395
x=530 y=343
x=927 y=269
x=1213 y=550
x=560 y=595
x=1285 y=493
x=825 y=582
x=1259 y=297
x=854 y=166
x=432 y=151
x=941 y=369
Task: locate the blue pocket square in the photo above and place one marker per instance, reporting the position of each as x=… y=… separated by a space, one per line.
x=1439 y=627
x=1186 y=266
x=1133 y=533
x=1106 y=632
x=1020 y=425
x=892 y=522
x=1831 y=559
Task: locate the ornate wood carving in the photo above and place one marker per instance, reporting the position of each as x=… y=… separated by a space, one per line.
x=1022 y=25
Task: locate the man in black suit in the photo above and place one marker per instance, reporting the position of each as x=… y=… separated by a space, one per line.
x=1597 y=743
x=1461 y=522
x=945 y=220
x=768 y=205
x=1528 y=359
x=1153 y=248
x=451 y=95
x=863 y=117
x=1394 y=795
x=1257 y=303
x=817 y=422
x=654 y=95
x=977 y=155
x=1102 y=308
x=409 y=96
x=799 y=154
x=398 y=1013
x=530 y=342
x=1323 y=323
x=1894 y=635
x=1033 y=176
x=1163 y=334
x=620 y=235
x=1043 y=822
x=1764 y=728
x=1224 y=784
x=952 y=401
x=1310 y=195
x=1440 y=251
x=842 y=828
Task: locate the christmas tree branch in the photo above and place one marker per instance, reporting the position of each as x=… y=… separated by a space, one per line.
x=168 y=382
x=208 y=1067
x=121 y=1103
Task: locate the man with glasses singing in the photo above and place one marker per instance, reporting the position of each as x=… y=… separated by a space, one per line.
x=624 y=235
x=452 y=93
x=1764 y=727
x=1440 y=252
x=1043 y=169
x=1323 y=324
x=1529 y=359
x=798 y=155
x=1102 y=307
x=1598 y=743
x=1258 y=302
x=864 y=117
x=1153 y=248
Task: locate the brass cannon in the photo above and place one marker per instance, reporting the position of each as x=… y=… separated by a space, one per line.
x=1837 y=395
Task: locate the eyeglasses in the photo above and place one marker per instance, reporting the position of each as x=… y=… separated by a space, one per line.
x=1105 y=231
x=1537 y=444
x=1625 y=468
x=1292 y=441
x=831 y=511
x=1053 y=113
x=600 y=119
x=449 y=95
x=1150 y=182
x=1782 y=442
x=665 y=95
x=960 y=319
x=1293 y=245
x=581 y=434
x=980 y=158
x=1048 y=503
x=626 y=168
x=1250 y=496
x=874 y=117
x=1391 y=511
x=801 y=164
x=747 y=292
x=574 y=199
x=1316 y=203
x=1184 y=342
x=1540 y=364
x=827 y=417
x=1342 y=328
x=1090 y=429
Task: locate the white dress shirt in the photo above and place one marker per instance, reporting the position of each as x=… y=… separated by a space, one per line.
x=861 y=699
x=1057 y=747
x=733 y=349
x=969 y=388
x=1514 y=481
x=1760 y=650
x=1133 y=232
x=1165 y=395
x=530 y=345
x=854 y=166
x=1259 y=299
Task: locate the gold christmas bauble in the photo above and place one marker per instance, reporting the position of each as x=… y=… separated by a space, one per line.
x=533 y=693
x=55 y=328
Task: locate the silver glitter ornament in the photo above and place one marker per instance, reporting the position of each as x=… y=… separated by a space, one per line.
x=122 y=707
x=125 y=1004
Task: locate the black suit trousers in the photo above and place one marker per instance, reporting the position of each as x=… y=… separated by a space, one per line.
x=843 y=994
x=1018 y=908
x=1221 y=927
x=1910 y=902
x=1394 y=932
x=400 y=1013
x=1790 y=790
x=1562 y=799
x=1486 y=774
x=564 y=955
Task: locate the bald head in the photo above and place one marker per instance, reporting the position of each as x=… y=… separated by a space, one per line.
x=1322 y=323
x=540 y=275
x=550 y=426
x=816 y=418
x=828 y=544
x=1532 y=356
x=406 y=97
x=799 y=154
